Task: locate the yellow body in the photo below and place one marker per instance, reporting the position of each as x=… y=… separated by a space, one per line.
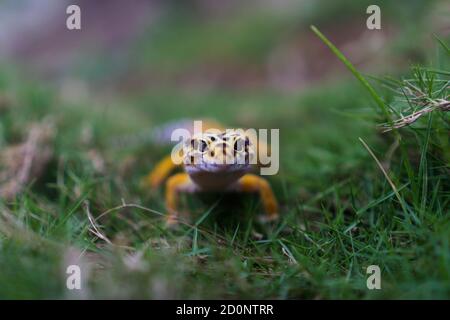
x=214 y=162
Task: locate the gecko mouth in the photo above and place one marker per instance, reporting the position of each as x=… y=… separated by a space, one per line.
x=215 y=167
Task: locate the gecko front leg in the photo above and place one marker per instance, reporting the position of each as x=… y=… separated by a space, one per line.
x=254 y=183
x=174 y=186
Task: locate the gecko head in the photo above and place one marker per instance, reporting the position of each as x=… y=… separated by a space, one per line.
x=229 y=151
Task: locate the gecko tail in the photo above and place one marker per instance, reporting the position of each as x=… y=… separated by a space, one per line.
x=161 y=134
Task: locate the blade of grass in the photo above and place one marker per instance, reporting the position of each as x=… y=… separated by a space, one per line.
x=353 y=70
x=394 y=188
x=423 y=172
x=443 y=44
x=235 y=234
x=380 y=200
x=287 y=252
x=207 y=213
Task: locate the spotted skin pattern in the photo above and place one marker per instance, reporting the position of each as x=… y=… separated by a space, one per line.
x=215 y=160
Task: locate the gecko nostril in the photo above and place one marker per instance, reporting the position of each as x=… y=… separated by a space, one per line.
x=212 y=153
x=238 y=145
x=201 y=146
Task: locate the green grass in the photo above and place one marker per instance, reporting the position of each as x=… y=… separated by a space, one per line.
x=339 y=212
x=339 y=215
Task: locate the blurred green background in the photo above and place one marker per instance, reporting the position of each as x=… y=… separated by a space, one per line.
x=136 y=65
